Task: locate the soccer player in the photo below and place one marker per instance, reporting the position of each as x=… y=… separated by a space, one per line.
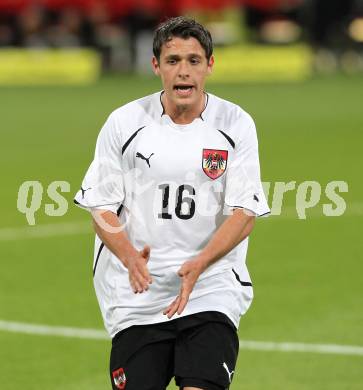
x=174 y=189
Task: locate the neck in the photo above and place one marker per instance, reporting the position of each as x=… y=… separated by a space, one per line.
x=184 y=113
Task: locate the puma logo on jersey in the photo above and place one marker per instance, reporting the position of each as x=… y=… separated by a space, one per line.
x=255 y=198
x=230 y=373
x=84 y=191
x=139 y=155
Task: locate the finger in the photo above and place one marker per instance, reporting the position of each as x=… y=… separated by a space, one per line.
x=174 y=308
x=171 y=305
x=142 y=283
x=144 y=272
x=132 y=282
x=171 y=310
x=185 y=291
x=135 y=286
x=145 y=253
x=139 y=283
x=183 y=302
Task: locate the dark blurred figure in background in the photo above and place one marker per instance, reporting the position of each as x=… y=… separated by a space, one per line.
x=141 y=21
x=329 y=24
x=65 y=29
x=329 y=21
x=333 y=28
x=32 y=22
x=273 y=21
x=121 y=30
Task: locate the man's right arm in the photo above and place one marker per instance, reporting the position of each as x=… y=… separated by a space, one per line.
x=108 y=228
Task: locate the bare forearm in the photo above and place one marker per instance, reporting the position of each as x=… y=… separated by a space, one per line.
x=115 y=238
x=234 y=230
x=108 y=228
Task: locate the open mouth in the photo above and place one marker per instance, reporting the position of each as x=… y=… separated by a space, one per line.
x=183 y=89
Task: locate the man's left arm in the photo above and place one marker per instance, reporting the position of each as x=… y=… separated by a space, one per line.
x=234 y=230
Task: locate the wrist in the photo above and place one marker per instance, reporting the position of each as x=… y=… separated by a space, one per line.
x=129 y=258
x=204 y=261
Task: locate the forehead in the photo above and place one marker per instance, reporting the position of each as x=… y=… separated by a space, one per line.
x=181 y=46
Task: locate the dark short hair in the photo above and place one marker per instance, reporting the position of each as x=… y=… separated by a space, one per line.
x=185 y=28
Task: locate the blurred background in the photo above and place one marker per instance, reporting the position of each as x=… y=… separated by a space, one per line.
x=318 y=35
x=297 y=67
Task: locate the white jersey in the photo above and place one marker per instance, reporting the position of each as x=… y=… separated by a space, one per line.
x=173 y=186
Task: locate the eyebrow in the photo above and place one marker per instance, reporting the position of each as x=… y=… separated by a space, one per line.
x=177 y=56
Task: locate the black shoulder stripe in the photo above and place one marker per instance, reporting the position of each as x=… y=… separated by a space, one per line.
x=97 y=258
x=127 y=143
x=75 y=201
x=239 y=280
x=102 y=244
x=119 y=210
x=229 y=139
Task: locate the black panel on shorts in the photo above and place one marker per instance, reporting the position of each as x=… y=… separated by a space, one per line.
x=193 y=348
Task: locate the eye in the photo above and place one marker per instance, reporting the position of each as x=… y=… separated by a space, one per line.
x=194 y=61
x=171 y=61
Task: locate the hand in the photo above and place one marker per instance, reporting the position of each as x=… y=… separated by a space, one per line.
x=189 y=272
x=139 y=275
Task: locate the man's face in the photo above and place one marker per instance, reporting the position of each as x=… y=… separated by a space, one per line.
x=183 y=67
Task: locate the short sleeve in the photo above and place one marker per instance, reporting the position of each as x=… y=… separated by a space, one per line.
x=243 y=182
x=102 y=186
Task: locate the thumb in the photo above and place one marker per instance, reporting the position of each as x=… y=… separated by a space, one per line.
x=183 y=270
x=145 y=253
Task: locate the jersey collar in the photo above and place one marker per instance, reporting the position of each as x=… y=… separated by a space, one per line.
x=161 y=107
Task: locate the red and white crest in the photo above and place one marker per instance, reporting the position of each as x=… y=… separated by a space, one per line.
x=214 y=162
x=119 y=378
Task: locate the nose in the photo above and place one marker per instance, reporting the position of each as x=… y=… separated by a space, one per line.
x=183 y=69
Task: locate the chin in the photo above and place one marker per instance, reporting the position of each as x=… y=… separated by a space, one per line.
x=185 y=101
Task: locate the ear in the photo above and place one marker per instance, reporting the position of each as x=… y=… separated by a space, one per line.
x=155 y=66
x=210 y=65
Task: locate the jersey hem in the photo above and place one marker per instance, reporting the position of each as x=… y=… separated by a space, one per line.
x=235 y=321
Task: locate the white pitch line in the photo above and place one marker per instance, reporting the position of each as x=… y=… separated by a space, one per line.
x=95 y=334
x=302 y=347
x=45 y=230
x=46 y=330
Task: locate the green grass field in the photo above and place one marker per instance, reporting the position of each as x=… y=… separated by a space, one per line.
x=307 y=273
